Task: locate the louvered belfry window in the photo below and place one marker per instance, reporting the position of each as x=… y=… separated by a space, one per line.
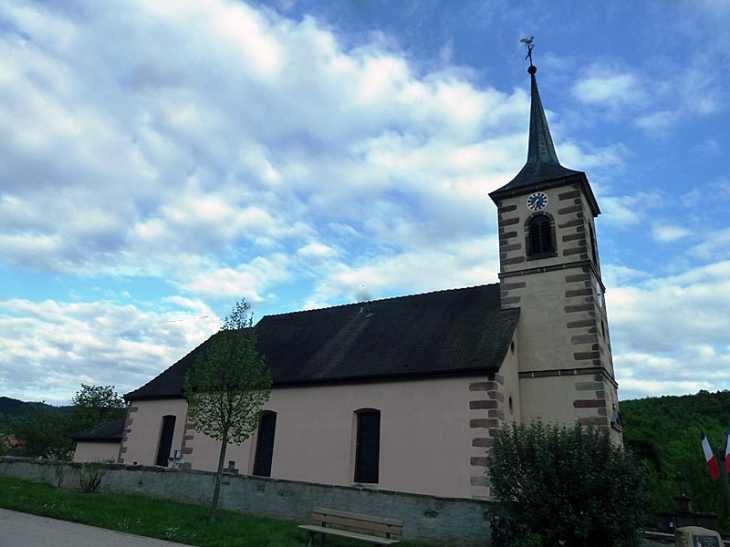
x=540 y=234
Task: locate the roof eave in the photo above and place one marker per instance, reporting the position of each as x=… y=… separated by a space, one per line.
x=404 y=377
x=508 y=192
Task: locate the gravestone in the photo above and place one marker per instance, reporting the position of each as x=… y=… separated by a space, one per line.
x=695 y=536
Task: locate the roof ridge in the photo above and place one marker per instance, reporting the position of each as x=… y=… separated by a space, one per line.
x=385 y=299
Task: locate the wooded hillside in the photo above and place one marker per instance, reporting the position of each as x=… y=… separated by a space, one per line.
x=665 y=433
x=14 y=408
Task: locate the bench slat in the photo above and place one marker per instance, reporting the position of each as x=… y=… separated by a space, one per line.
x=356 y=516
x=383 y=528
x=352 y=535
x=344 y=522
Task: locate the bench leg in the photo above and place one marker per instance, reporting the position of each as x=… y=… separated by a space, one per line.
x=311 y=537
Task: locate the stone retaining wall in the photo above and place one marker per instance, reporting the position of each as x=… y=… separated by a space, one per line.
x=453 y=522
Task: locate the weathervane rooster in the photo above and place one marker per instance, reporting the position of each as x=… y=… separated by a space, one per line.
x=529 y=42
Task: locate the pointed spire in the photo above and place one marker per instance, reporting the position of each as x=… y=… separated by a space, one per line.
x=540 y=151
x=542 y=168
x=542 y=161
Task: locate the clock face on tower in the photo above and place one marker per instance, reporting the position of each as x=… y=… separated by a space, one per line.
x=537 y=201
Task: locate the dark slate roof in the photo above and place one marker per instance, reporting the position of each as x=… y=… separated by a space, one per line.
x=542 y=167
x=455 y=331
x=103 y=433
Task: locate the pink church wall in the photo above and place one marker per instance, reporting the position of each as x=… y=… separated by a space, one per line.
x=143 y=427
x=96 y=452
x=426 y=433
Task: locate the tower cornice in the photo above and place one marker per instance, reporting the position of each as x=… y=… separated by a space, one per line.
x=576 y=177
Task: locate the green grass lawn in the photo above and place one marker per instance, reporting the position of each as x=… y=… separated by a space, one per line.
x=163 y=519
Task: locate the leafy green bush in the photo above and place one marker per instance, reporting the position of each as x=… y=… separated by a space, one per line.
x=90 y=476
x=565 y=486
x=44 y=431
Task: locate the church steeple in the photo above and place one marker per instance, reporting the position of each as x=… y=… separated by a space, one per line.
x=542 y=160
x=542 y=167
x=550 y=270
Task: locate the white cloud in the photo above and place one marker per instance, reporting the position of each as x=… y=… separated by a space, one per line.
x=185 y=157
x=627 y=211
x=715 y=246
x=657 y=123
x=317 y=250
x=223 y=151
x=97 y=343
x=667 y=233
x=709 y=147
x=467 y=263
x=250 y=280
x=609 y=158
x=673 y=328
x=610 y=89
x=718 y=190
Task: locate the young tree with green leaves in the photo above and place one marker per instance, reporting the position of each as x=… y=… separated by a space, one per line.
x=44 y=431
x=93 y=406
x=227 y=386
x=568 y=486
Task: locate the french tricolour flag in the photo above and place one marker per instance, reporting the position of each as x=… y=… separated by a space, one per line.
x=710 y=458
x=727 y=452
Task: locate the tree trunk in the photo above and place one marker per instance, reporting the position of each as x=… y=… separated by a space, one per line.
x=218 y=477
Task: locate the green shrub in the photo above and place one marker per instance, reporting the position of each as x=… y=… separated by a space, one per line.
x=90 y=476
x=565 y=486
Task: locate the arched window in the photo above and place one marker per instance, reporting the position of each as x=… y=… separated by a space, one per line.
x=367 y=451
x=540 y=237
x=265 y=445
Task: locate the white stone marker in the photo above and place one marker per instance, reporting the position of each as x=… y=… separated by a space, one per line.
x=694 y=536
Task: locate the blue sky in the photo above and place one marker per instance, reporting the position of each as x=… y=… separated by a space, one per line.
x=161 y=160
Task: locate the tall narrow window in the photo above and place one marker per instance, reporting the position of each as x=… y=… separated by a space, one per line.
x=594 y=252
x=165 y=445
x=265 y=445
x=367 y=452
x=540 y=237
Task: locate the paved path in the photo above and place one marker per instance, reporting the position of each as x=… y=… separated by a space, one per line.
x=23 y=530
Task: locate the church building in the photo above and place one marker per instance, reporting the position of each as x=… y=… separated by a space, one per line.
x=406 y=394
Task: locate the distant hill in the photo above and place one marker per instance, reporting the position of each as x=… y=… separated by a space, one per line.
x=14 y=408
x=656 y=420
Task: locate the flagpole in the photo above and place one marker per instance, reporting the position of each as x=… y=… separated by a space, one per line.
x=714 y=459
x=723 y=469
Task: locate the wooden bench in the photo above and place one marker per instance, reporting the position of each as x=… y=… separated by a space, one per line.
x=344 y=524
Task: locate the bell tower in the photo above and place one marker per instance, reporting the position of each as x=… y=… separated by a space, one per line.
x=550 y=270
